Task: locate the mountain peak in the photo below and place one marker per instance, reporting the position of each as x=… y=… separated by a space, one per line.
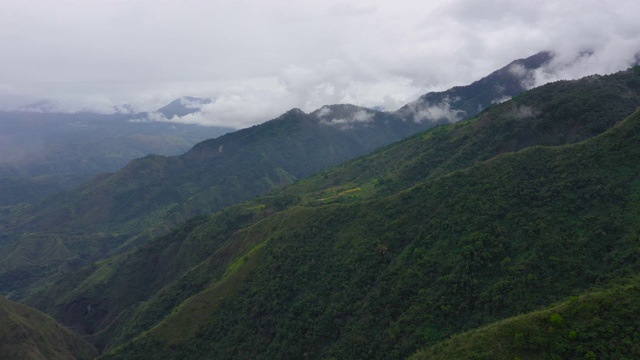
x=294 y=111
x=184 y=106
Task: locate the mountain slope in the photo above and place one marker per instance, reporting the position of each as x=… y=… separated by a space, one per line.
x=25 y=333
x=381 y=279
x=597 y=325
x=172 y=268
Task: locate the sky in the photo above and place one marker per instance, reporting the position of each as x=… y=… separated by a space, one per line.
x=260 y=58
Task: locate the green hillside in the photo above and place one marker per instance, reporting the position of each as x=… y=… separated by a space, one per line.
x=384 y=278
x=26 y=333
x=596 y=325
x=373 y=270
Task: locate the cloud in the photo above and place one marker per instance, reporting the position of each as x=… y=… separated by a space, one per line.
x=324 y=112
x=435 y=112
x=611 y=58
x=193 y=103
x=361 y=116
x=261 y=58
x=522 y=112
x=501 y=99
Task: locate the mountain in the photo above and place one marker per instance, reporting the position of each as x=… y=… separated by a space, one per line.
x=386 y=277
x=445 y=231
x=116 y=212
x=183 y=106
x=26 y=333
x=601 y=322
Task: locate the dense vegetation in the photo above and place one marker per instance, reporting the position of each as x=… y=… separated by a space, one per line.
x=596 y=325
x=381 y=279
x=26 y=333
x=440 y=233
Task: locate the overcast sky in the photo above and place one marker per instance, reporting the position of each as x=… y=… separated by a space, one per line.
x=259 y=58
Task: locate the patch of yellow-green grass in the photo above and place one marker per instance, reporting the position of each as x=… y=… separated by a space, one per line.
x=26 y=333
x=103 y=272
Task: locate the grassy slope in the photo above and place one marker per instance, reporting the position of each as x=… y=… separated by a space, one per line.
x=26 y=333
x=500 y=238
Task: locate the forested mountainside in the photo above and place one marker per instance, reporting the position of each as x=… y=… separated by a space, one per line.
x=28 y=334
x=350 y=264
x=596 y=325
x=117 y=212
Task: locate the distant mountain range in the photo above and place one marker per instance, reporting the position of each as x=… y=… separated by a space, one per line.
x=43 y=153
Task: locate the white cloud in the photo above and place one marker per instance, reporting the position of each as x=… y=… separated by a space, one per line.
x=360 y=116
x=435 y=112
x=261 y=58
x=324 y=112
x=501 y=99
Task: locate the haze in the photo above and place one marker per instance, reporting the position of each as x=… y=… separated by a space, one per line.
x=258 y=59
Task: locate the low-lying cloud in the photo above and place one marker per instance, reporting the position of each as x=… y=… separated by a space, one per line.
x=362 y=116
x=441 y=111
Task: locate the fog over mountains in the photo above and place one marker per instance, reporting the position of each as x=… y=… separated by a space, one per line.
x=277 y=56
